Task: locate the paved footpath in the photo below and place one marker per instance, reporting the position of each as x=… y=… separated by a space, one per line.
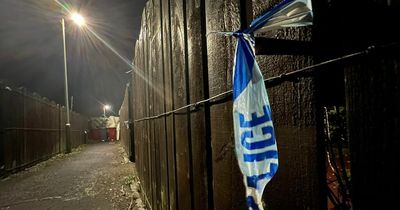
x=94 y=176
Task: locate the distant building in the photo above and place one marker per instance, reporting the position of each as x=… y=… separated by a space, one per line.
x=103 y=128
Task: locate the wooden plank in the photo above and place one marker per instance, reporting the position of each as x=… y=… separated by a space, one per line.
x=137 y=98
x=143 y=113
x=145 y=125
x=223 y=16
x=294 y=112
x=169 y=105
x=147 y=62
x=150 y=99
x=19 y=141
x=180 y=99
x=160 y=129
x=8 y=106
x=133 y=103
x=136 y=106
x=137 y=89
x=197 y=92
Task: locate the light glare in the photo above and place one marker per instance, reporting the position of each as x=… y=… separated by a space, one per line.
x=78 y=19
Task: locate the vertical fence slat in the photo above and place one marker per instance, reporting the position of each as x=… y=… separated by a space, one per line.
x=197 y=91
x=150 y=99
x=223 y=16
x=180 y=99
x=159 y=107
x=293 y=107
x=169 y=104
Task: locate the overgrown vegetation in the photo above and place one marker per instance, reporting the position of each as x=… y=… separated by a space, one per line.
x=338 y=158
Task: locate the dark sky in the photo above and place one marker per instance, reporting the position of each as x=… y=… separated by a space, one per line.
x=31 y=52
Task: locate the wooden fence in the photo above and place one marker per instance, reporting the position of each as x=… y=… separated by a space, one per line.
x=32 y=129
x=186 y=159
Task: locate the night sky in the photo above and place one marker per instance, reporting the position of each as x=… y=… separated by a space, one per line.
x=31 y=51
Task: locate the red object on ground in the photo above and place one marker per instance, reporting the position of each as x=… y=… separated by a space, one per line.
x=112 y=134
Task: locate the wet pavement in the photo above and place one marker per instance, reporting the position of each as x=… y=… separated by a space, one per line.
x=94 y=176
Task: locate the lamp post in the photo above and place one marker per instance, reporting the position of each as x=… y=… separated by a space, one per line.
x=106 y=107
x=78 y=19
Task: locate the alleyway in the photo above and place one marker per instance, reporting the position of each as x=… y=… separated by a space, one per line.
x=95 y=176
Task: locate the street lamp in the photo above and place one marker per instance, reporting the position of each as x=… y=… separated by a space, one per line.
x=106 y=107
x=80 y=21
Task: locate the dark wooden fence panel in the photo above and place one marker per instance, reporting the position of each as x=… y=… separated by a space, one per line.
x=63 y=119
x=79 y=125
x=186 y=160
x=140 y=81
x=372 y=87
x=294 y=112
x=223 y=16
x=150 y=67
x=198 y=90
x=32 y=129
x=160 y=148
x=169 y=104
x=11 y=137
x=182 y=135
x=137 y=105
x=146 y=141
x=374 y=120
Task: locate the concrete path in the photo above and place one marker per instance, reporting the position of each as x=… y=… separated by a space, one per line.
x=95 y=176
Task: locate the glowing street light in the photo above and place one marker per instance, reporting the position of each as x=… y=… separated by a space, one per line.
x=106 y=107
x=80 y=21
